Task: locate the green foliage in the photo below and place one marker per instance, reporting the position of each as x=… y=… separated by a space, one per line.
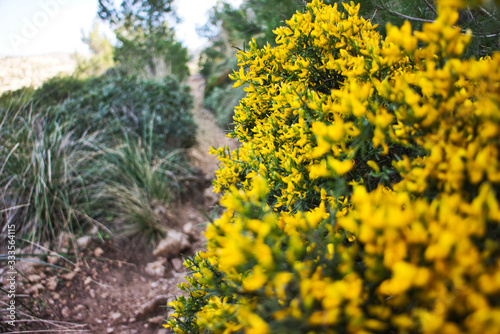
x=15 y=100
x=145 y=13
x=152 y=53
x=139 y=186
x=147 y=45
x=43 y=177
x=75 y=151
x=111 y=103
x=102 y=54
x=57 y=90
x=230 y=28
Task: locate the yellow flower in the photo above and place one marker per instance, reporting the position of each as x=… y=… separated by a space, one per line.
x=373 y=165
x=255 y=280
x=340 y=167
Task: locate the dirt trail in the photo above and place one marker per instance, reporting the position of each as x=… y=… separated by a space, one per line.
x=117 y=287
x=208 y=134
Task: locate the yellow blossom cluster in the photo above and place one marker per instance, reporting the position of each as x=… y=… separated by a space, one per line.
x=365 y=195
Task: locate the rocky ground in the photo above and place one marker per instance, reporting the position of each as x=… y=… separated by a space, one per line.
x=112 y=286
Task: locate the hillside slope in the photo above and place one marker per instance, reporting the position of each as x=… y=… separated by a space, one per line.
x=17 y=72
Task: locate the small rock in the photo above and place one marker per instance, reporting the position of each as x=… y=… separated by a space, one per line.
x=83 y=242
x=79 y=307
x=34 y=278
x=52 y=284
x=64 y=240
x=151 y=307
x=98 y=252
x=156 y=268
x=211 y=198
x=172 y=245
x=131 y=320
x=177 y=264
x=94 y=230
x=156 y=320
x=56 y=296
x=87 y=281
x=115 y=316
x=68 y=276
x=154 y=285
x=28 y=265
x=188 y=228
x=162 y=331
x=53 y=258
x=36 y=288
x=92 y=293
x=65 y=312
x=110 y=330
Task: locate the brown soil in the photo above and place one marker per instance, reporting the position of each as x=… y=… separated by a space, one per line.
x=107 y=289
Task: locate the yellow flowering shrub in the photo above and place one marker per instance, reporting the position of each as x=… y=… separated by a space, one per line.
x=365 y=194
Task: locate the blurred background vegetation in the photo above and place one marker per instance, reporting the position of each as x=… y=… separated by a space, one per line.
x=103 y=147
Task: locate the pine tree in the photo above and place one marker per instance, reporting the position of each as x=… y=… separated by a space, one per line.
x=147 y=44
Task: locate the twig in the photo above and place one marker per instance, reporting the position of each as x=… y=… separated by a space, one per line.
x=432 y=21
x=487 y=13
x=408 y=17
x=430 y=6
x=50 y=252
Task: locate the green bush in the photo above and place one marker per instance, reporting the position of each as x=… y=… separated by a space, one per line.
x=44 y=173
x=139 y=187
x=16 y=100
x=112 y=103
x=73 y=150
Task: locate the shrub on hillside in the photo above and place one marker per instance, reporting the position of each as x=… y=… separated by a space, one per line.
x=139 y=106
x=75 y=151
x=46 y=174
x=365 y=194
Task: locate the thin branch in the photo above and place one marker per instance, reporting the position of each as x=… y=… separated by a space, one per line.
x=484 y=35
x=430 y=6
x=487 y=13
x=407 y=16
x=432 y=21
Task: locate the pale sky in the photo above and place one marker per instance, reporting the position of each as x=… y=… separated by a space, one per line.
x=33 y=27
